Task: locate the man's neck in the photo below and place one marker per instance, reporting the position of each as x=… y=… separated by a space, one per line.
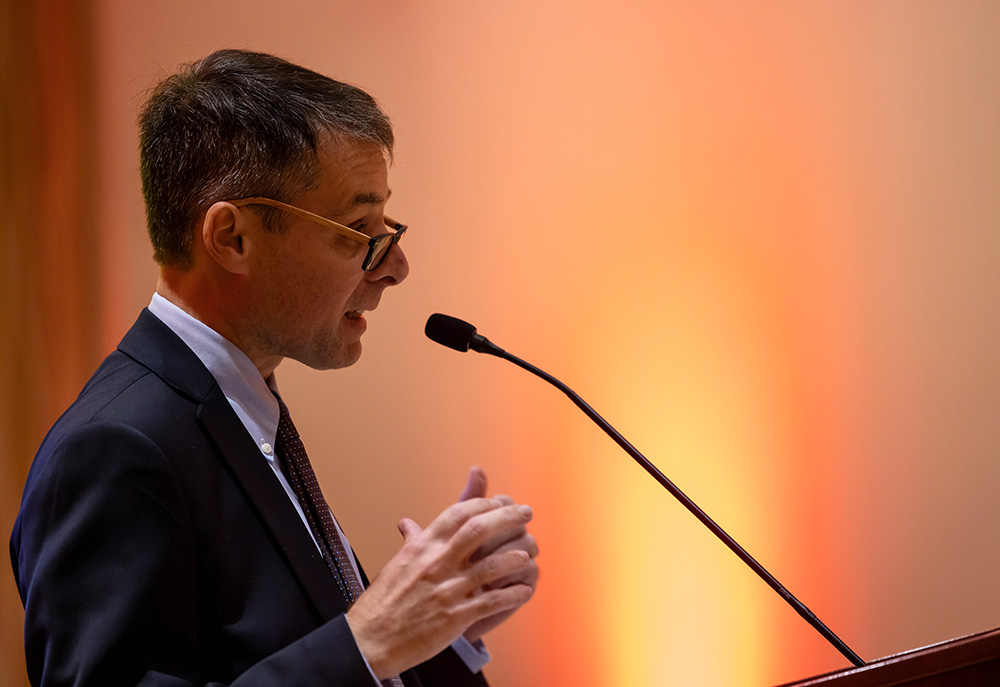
x=190 y=301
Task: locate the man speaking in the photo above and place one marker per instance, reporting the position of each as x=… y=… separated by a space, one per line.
x=172 y=531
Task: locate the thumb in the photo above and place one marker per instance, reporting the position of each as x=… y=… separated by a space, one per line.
x=475 y=486
x=408 y=529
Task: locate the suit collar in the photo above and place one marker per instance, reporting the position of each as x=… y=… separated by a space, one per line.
x=154 y=345
x=249 y=394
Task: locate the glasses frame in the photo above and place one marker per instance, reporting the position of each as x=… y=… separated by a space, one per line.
x=376 y=244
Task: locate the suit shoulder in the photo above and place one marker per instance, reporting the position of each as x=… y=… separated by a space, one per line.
x=125 y=412
x=123 y=391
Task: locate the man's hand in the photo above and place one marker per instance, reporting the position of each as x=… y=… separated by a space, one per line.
x=445 y=580
x=517 y=539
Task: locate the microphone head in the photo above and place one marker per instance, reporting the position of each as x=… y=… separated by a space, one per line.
x=449 y=331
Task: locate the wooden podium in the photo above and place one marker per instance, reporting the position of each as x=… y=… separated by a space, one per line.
x=972 y=661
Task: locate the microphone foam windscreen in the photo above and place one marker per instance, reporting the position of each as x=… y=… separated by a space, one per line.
x=449 y=331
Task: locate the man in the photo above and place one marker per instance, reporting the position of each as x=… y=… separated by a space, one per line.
x=171 y=530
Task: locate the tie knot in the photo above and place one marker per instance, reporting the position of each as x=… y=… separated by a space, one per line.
x=283 y=416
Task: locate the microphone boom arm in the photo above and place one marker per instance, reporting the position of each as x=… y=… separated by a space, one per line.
x=481 y=344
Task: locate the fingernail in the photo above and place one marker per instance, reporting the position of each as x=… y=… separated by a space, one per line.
x=525 y=511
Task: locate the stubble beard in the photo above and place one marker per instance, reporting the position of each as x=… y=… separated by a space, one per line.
x=321 y=352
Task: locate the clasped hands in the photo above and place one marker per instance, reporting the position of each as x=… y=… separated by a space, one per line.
x=466 y=573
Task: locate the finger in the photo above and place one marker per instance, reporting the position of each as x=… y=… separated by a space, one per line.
x=494 y=601
x=527 y=575
x=525 y=542
x=483 y=527
x=408 y=528
x=475 y=485
x=503 y=541
x=497 y=567
x=456 y=515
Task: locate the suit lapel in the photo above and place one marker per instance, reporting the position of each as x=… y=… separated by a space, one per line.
x=267 y=497
x=153 y=344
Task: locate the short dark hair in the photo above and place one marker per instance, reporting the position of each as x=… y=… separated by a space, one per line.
x=238 y=124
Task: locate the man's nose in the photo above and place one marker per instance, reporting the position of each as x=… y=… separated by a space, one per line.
x=393 y=269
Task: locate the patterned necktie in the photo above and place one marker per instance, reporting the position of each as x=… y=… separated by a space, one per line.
x=306 y=487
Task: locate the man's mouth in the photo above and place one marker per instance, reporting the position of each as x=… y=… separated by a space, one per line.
x=354 y=314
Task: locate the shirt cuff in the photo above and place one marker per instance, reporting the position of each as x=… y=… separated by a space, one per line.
x=475 y=656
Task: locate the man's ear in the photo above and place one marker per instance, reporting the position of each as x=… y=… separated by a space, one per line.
x=223 y=234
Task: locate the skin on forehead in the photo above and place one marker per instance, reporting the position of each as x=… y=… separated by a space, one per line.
x=350 y=178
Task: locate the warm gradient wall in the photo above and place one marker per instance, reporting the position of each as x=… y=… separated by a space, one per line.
x=760 y=237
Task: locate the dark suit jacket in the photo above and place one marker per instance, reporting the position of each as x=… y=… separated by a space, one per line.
x=155 y=547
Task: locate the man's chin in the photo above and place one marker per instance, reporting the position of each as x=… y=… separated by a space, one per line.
x=343 y=356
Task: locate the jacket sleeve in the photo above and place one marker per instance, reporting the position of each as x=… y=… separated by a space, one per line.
x=448 y=670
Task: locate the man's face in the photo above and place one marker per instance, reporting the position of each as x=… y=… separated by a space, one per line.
x=309 y=292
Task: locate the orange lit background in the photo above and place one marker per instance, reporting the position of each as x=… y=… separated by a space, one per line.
x=761 y=238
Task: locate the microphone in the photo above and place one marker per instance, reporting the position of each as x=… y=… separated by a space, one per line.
x=461 y=336
x=458 y=334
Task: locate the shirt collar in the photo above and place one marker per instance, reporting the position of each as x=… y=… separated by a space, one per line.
x=251 y=396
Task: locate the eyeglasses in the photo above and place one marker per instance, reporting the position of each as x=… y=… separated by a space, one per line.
x=378 y=246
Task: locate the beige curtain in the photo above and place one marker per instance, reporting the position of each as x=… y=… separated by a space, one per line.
x=49 y=309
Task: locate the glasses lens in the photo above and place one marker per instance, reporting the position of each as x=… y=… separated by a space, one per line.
x=377 y=253
x=382 y=244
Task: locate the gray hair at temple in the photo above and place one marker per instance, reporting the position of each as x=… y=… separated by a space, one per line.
x=238 y=124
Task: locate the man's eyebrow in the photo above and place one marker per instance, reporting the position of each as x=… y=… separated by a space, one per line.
x=371 y=198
